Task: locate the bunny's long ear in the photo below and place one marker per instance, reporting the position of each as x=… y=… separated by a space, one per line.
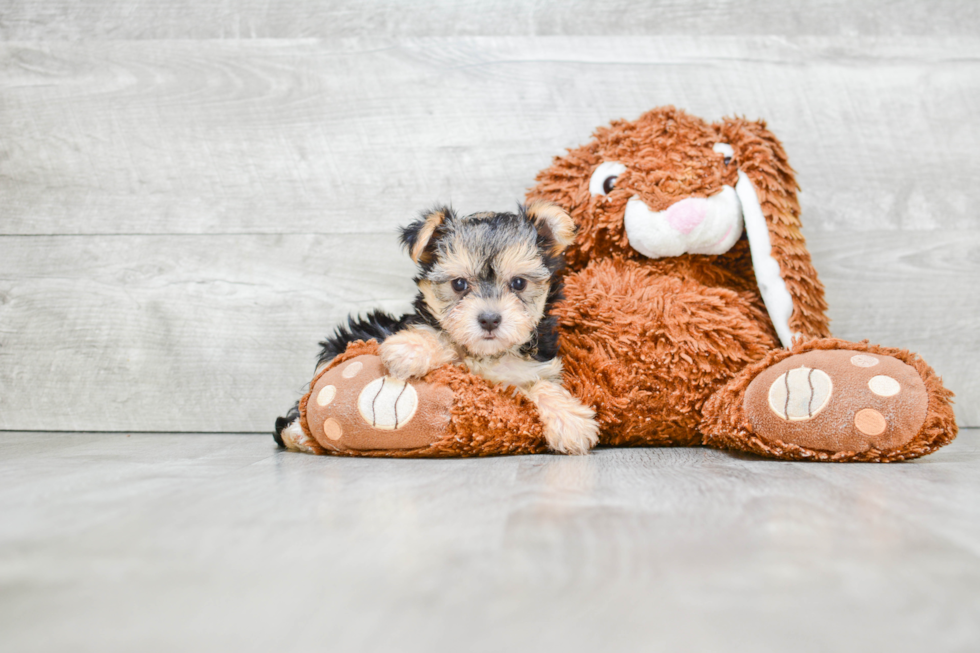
x=420 y=237
x=793 y=294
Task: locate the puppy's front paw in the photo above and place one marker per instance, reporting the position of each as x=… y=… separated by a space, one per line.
x=569 y=426
x=295 y=439
x=411 y=353
x=573 y=434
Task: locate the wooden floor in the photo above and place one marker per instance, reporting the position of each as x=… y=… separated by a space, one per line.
x=153 y=542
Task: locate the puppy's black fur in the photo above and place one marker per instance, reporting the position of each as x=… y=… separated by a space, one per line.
x=377 y=324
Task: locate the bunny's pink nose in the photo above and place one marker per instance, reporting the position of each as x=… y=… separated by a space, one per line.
x=685 y=215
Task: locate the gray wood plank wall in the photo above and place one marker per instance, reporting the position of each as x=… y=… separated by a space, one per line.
x=190 y=198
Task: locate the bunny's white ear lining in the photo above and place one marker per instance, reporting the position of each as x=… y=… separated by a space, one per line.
x=778 y=301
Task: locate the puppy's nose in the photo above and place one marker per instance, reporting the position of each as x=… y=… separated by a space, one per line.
x=489 y=321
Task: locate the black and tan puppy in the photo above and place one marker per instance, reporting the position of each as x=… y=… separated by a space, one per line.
x=487 y=283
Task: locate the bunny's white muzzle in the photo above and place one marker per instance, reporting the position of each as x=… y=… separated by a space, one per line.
x=694 y=225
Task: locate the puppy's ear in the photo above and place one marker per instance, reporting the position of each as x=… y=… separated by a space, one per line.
x=418 y=237
x=554 y=225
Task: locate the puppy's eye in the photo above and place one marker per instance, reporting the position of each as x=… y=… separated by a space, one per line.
x=725 y=150
x=459 y=285
x=603 y=179
x=517 y=284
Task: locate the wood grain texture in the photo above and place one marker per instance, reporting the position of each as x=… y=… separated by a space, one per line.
x=356 y=135
x=243 y=19
x=171 y=333
x=183 y=219
x=218 y=542
x=218 y=333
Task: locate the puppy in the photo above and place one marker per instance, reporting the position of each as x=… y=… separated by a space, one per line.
x=486 y=284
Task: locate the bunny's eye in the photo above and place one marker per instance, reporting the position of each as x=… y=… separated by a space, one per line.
x=603 y=180
x=725 y=150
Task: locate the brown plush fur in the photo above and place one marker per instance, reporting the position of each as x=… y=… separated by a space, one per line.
x=647 y=348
